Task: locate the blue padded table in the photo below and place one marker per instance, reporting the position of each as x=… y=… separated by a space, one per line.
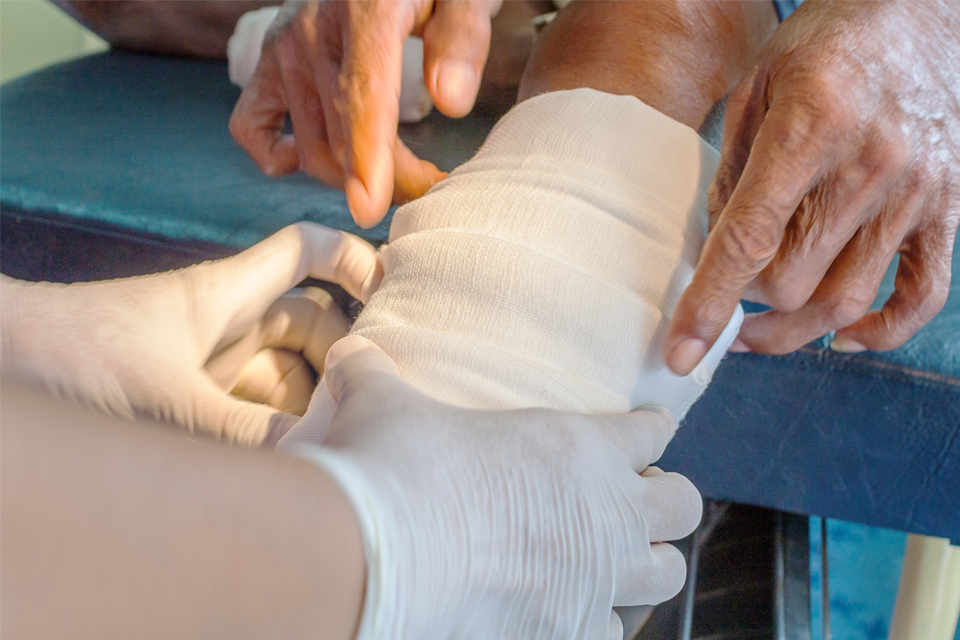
x=133 y=151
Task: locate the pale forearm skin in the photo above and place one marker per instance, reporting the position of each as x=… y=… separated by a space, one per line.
x=113 y=532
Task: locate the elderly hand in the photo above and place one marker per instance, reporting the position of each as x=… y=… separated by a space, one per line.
x=513 y=524
x=841 y=149
x=335 y=68
x=140 y=345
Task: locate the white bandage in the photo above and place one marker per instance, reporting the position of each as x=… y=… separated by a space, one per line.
x=543 y=272
x=243 y=54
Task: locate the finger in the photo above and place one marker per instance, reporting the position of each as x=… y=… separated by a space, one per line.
x=744 y=113
x=920 y=292
x=231 y=419
x=236 y=292
x=369 y=108
x=279 y=378
x=615 y=630
x=822 y=226
x=670 y=504
x=258 y=119
x=641 y=435
x=310 y=127
x=842 y=297
x=354 y=364
x=307 y=322
x=657 y=579
x=456 y=42
x=413 y=177
x=784 y=164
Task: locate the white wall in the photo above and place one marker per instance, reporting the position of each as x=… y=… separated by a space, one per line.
x=35 y=34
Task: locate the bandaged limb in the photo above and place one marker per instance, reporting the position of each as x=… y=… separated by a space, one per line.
x=542 y=273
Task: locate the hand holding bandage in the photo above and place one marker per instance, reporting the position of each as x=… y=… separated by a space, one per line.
x=544 y=271
x=514 y=524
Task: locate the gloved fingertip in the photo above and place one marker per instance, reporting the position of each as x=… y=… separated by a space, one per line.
x=372 y=282
x=278 y=426
x=661 y=416
x=343 y=348
x=615 y=630
x=367 y=359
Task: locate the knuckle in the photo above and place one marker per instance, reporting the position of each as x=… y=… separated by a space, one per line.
x=931 y=298
x=750 y=238
x=847 y=308
x=921 y=179
x=885 y=156
x=785 y=295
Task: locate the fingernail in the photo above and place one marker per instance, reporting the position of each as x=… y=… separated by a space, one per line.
x=687 y=354
x=846 y=345
x=456 y=82
x=738 y=346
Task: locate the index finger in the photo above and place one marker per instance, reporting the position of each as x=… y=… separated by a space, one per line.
x=783 y=166
x=258 y=119
x=369 y=103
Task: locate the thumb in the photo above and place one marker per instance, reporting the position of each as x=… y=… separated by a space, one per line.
x=781 y=169
x=232 y=294
x=233 y=420
x=456 y=42
x=353 y=364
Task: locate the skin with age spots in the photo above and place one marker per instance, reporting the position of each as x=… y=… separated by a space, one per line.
x=841 y=150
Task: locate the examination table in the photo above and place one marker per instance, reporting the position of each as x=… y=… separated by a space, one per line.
x=118 y=164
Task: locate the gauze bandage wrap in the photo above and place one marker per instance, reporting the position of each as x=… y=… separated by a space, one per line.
x=543 y=272
x=243 y=55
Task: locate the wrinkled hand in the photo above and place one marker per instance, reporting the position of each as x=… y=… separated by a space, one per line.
x=513 y=524
x=138 y=346
x=335 y=68
x=841 y=149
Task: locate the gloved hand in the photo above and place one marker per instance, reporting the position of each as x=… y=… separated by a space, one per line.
x=515 y=524
x=139 y=345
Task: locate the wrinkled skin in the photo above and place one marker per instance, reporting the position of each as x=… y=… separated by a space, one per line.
x=841 y=149
x=335 y=68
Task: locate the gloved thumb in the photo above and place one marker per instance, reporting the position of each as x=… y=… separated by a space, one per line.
x=354 y=363
x=234 y=420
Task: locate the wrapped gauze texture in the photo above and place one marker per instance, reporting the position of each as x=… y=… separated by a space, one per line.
x=544 y=271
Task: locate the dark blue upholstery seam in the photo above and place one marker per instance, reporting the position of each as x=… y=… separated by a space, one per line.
x=201 y=249
x=885 y=369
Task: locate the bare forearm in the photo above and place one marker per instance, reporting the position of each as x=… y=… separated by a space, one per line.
x=119 y=531
x=180 y=27
x=678 y=57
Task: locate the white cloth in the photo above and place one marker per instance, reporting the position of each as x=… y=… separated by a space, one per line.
x=243 y=54
x=543 y=271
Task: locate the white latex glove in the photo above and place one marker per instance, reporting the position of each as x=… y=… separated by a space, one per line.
x=139 y=345
x=515 y=524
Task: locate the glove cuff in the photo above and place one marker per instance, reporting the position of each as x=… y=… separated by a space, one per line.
x=379 y=616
